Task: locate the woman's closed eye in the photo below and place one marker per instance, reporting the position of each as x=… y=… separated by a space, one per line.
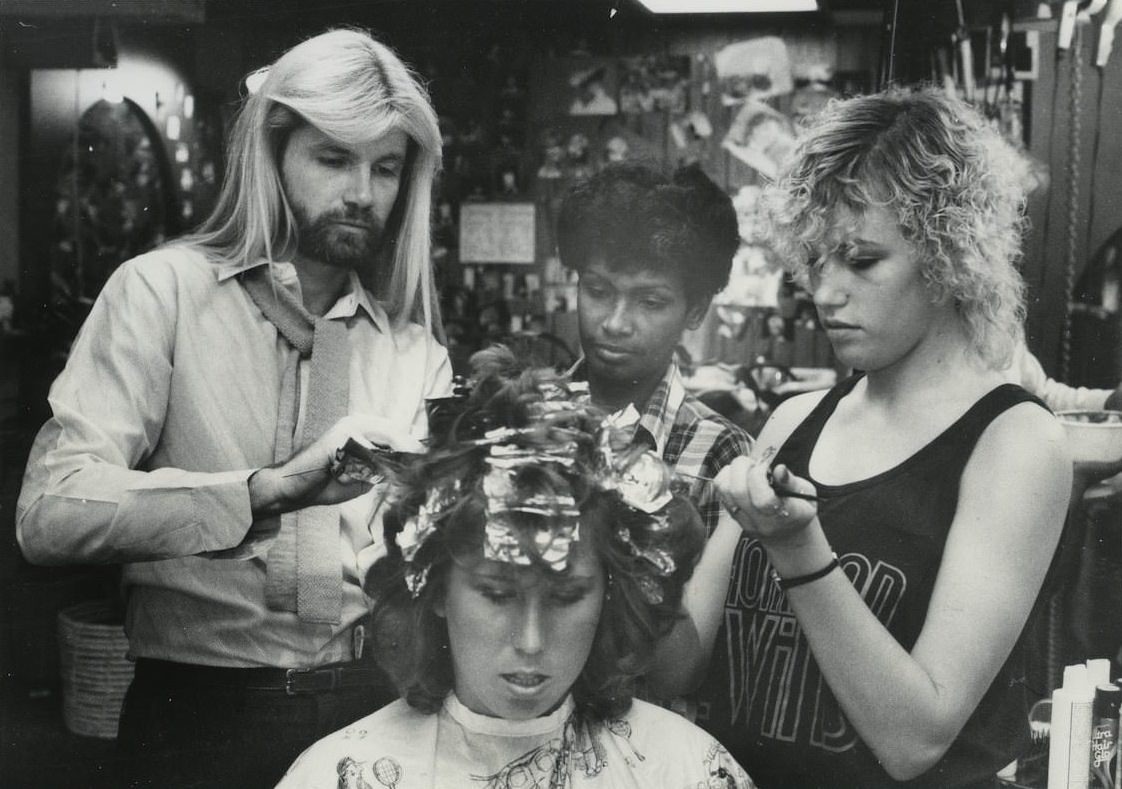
x=862 y=262
x=570 y=596
x=497 y=593
x=860 y=257
x=564 y=596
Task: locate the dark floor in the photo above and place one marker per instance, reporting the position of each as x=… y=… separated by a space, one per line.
x=37 y=752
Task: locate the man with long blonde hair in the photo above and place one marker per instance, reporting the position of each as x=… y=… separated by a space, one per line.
x=195 y=426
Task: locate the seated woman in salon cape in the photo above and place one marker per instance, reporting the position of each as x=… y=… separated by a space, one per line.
x=534 y=558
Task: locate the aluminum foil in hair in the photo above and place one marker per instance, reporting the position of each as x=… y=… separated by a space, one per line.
x=416 y=576
x=557 y=514
x=419 y=528
x=550 y=545
x=636 y=474
x=660 y=560
x=643 y=481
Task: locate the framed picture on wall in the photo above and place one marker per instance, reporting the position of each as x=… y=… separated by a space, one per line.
x=654 y=83
x=576 y=85
x=497 y=232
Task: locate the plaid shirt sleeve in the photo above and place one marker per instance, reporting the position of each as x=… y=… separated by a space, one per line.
x=700 y=447
x=731 y=443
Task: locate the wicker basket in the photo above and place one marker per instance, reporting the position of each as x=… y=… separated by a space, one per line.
x=95 y=671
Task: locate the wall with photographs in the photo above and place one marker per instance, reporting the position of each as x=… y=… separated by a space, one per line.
x=729 y=101
x=529 y=100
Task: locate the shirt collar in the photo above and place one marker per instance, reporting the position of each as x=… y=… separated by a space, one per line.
x=477 y=723
x=662 y=407
x=347 y=305
x=656 y=420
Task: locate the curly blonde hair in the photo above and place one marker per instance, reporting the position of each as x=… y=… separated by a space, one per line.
x=956 y=187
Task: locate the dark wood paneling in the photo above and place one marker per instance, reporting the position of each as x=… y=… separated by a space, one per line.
x=1099 y=207
x=170 y=11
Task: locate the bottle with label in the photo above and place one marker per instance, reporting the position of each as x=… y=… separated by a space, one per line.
x=1104 y=735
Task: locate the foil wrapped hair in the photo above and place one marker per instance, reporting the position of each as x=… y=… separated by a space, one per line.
x=549 y=425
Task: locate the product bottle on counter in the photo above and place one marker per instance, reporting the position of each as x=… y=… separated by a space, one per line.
x=1116 y=771
x=1104 y=736
x=1069 y=747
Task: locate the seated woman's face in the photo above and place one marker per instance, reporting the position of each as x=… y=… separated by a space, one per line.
x=520 y=636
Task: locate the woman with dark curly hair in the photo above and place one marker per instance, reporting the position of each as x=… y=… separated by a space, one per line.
x=533 y=560
x=873 y=634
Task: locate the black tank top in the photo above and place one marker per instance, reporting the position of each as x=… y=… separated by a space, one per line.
x=764 y=696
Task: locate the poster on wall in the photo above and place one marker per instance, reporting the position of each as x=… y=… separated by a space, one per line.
x=577 y=85
x=654 y=83
x=592 y=88
x=497 y=233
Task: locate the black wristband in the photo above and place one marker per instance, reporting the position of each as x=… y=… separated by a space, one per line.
x=799 y=580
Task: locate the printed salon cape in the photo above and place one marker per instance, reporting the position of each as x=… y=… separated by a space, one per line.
x=402 y=748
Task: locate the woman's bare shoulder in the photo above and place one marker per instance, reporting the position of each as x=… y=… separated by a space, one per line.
x=1027 y=427
x=1024 y=451
x=787 y=416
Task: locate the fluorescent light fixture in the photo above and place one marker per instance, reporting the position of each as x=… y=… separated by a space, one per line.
x=729 y=6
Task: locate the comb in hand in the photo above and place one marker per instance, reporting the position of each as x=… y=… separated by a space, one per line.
x=359 y=462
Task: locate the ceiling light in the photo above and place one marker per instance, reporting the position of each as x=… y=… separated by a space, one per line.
x=729 y=6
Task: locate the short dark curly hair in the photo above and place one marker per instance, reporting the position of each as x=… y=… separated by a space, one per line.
x=411 y=641
x=635 y=216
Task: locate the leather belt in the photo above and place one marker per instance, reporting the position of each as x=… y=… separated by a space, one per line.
x=328 y=678
x=293 y=681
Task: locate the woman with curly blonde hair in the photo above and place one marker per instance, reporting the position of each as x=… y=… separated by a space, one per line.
x=897 y=529
x=956 y=190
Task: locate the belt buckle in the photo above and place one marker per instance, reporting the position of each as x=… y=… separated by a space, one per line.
x=358 y=641
x=309 y=680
